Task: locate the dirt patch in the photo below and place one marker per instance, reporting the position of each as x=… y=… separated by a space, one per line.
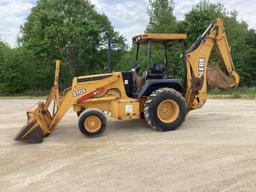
x=214 y=150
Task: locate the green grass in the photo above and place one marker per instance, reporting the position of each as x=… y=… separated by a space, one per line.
x=237 y=92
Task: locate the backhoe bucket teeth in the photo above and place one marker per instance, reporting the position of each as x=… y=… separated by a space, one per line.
x=217 y=78
x=37 y=126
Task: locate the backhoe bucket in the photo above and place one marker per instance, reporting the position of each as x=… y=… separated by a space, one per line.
x=217 y=78
x=37 y=126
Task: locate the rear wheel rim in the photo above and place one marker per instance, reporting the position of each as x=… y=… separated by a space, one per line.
x=168 y=111
x=92 y=124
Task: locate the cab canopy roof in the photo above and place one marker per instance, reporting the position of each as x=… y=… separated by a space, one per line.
x=158 y=38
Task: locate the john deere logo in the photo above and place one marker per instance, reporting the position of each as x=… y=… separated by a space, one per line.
x=201 y=66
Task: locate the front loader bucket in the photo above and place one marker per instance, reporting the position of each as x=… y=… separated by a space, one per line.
x=217 y=78
x=38 y=124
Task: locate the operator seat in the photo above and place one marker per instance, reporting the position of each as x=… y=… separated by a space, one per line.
x=157 y=71
x=138 y=82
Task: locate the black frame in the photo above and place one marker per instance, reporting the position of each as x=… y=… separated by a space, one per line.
x=166 y=45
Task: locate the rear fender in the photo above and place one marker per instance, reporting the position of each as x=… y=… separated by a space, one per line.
x=154 y=84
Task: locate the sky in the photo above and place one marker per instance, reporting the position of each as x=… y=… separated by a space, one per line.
x=129 y=17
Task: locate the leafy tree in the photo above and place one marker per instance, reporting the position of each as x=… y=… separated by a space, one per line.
x=161 y=18
x=198 y=19
x=250 y=69
x=70 y=30
x=126 y=63
x=15 y=69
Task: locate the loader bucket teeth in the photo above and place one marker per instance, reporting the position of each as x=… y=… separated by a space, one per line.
x=37 y=126
x=40 y=122
x=30 y=133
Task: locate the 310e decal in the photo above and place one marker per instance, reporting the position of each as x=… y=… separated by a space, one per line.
x=79 y=92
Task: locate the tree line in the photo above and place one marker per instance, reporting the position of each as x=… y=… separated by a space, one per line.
x=73 y=31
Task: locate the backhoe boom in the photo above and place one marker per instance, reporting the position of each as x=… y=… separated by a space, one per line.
x=197 y=58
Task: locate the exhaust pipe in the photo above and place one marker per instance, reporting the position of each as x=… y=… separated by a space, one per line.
x=109 y=68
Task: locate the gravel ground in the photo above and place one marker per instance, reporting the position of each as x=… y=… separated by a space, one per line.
x=214 y=150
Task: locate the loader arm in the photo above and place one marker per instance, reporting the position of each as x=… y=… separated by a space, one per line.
x=40 y=122
x=197 y=57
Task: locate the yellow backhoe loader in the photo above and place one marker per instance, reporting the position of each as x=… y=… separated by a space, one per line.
x=163 y=102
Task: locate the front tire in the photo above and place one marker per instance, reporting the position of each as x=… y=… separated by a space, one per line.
x=165 y=109
x=92 y=122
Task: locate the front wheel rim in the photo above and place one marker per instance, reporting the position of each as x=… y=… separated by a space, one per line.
x=92 y=124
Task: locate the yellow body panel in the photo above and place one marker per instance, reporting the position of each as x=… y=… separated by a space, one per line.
x=113 y=90
x=113 y=99
x=125 y=109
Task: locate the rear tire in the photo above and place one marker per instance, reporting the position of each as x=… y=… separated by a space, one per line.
x=165 y=109
x=92 y=122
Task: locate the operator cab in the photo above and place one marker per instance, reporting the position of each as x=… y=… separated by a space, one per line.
x=155 y=75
